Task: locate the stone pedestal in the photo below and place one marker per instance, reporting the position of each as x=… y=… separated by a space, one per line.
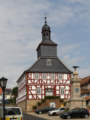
x=76 y=103
x=76 y=100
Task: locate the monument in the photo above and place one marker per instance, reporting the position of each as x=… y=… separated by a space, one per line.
x=75 y=101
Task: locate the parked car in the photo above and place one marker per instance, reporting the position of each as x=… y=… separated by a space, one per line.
x=78 y=112
x=11 y=113
x=57 y=111
x=44 y=110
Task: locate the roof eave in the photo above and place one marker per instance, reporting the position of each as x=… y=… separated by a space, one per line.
x=45 y=45
x=21 y=76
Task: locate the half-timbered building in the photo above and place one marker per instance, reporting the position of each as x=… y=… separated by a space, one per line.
x=47 y=76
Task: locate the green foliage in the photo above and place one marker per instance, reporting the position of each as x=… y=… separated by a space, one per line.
x=34 y=107
x=61 y=100
x=15 y=91
x=39 y=103
x=43 y=100
x=14 y=100
x=52 y=97
x=10 y=100
x=67 y=109
x=64 y=103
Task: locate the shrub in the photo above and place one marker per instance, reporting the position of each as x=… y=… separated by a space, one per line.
x=61 y=100
x=43 y=100
x=67 y=109
x=64 y=103
x=34 y=107
x=52 y=97
x=39 y=103
x=11 y=100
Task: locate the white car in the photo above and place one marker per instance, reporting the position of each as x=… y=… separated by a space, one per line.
x=57 y=111
x=11 y=113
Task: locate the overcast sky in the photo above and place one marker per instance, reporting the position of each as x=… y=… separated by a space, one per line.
x=21 y=22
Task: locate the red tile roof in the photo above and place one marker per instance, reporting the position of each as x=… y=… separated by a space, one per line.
x=85 y=80
x=87 y=98
x=85 y=91
x=0 y=90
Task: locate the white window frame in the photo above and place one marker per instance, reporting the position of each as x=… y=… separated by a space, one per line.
x=62 y=91
x=36 y=75
x=44 y=76
x=38 y=90
x=52 y=76
x=60 y=76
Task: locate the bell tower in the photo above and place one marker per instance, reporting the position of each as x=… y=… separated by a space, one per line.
x=47 y=48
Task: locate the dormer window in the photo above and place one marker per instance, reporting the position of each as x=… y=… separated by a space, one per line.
x=48 y=62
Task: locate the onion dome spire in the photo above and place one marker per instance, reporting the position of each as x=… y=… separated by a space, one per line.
x=45 y=19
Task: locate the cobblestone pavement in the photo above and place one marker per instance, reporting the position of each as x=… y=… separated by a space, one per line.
x=45 y=116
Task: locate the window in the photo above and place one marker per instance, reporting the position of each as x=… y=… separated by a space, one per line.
x=12 y=111
x=60 y=76
x=38 y=90
x=44 y=76
x=43 y=34
x=48 y=62
x=62 y=91
x=49 y=90
x=52 y=76
x=62 y=109
x=36 y=76
x=46 y=34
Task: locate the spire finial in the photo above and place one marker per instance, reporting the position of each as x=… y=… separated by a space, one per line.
x=45 y=18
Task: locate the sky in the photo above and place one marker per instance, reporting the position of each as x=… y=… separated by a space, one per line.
x=21 y=23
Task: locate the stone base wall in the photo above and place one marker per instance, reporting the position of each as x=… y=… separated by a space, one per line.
x=22 y=105
x=31 y=103
x=27 y=105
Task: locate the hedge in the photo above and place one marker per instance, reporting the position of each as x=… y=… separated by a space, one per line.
x=52 y=97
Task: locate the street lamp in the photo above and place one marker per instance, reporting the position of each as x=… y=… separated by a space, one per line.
x=3 y=82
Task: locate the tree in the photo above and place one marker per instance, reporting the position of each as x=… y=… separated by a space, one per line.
x=15 y=93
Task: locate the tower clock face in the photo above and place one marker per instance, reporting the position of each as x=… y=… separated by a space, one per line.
x=48 y=62
x=76 y=90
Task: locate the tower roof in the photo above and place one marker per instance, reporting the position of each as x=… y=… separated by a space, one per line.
x=45 y=27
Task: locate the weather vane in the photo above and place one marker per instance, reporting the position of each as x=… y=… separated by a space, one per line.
x=45 y=18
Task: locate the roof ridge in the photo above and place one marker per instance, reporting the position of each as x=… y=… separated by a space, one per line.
x=85 y=77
